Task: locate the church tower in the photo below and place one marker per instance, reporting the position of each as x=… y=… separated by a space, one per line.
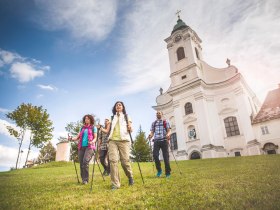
x=185 y=53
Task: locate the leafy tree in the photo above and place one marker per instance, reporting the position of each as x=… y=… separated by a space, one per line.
x=19 y=116
x=34 y=118
x=141 y=151
x=47 y=153
x=74 y=128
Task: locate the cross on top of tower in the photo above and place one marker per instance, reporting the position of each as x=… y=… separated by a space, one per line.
x=178 y=13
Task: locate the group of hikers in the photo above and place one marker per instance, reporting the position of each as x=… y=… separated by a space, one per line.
x=114 y=140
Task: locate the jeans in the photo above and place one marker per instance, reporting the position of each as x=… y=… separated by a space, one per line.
x=85 y=155
x=163 y=145
x=103 y=157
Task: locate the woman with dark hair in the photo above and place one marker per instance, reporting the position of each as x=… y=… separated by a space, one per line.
x=119 y=145
x=86 y=145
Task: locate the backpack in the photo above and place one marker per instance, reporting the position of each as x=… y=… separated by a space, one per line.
x=164 y=125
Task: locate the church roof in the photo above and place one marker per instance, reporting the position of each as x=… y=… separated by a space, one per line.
x=271 y=107
x=180 y=25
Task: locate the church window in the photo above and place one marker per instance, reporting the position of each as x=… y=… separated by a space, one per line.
x=184 y=77
x=195 y=155
x=197 y=53
x=231 y=126
x=180 y=53
x=188 y=108
x=264 y=130
x=173 y=141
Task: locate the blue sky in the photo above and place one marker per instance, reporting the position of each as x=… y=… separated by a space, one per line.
x=79 y=57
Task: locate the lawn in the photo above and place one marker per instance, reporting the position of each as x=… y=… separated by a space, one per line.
x=224 y=183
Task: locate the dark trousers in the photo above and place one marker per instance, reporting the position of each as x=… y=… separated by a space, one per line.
x=85 y=155
x=103 y=156
x=163 y=145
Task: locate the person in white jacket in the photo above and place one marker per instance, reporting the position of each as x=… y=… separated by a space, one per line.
x=119 y=145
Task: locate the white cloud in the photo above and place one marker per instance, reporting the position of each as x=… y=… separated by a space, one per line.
x=7 y=57
x=8 y=156
x=25 y=72
x=4 y=131
x=245 y=32
x=87 y=19
x=47 y=87
x=21 y=68
x=3 y=110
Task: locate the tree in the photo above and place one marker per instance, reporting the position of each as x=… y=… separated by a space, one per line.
x=34 y=118
x=142 y=150
x=47 y=153
x=74 y=128
x=19 y=116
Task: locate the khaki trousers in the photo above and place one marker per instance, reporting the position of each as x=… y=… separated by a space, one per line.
x=119 y=150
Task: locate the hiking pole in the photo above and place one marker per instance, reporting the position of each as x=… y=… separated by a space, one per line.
x=71 y=151
x=152 y=155
x=95 y=160
x=136 y=156
x=96 y=144
x=175 y=159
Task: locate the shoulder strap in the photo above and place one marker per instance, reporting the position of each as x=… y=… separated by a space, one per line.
x=126 y=120
x=164 y=125
x=154 y=126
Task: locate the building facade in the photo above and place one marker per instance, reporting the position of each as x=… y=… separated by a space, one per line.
x=211 y=110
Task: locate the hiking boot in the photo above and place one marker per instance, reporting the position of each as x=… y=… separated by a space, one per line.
x=130 y=181
x=85 y=182
x=159 y=173
x=168 y=176
x=114 y=188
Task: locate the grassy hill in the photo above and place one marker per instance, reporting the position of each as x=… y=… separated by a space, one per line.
x=225 y=183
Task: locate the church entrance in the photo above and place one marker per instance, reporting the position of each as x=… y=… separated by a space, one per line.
x=195 y=155
x=270 y=148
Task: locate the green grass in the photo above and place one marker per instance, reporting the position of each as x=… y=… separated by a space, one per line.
x=226 y=183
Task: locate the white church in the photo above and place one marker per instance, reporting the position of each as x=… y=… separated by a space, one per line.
x=212 y=111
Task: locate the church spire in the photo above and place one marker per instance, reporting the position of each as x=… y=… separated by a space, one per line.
x=180 y=24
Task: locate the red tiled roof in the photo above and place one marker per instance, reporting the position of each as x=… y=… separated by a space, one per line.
x=271 y=107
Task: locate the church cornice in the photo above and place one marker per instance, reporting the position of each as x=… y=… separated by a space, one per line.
x=199 y=82
x=163 y=106
x=189 y=119
x=227 y=111
x=183 y=69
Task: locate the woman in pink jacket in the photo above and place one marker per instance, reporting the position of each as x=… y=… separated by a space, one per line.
x=86 y=145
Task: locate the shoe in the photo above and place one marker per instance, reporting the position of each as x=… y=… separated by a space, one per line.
x=85 y=182
x=168 y=176
x=130 y=181
x=159 y=173
x=114 y=188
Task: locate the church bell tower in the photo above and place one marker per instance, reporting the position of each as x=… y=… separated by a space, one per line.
x=185 y=53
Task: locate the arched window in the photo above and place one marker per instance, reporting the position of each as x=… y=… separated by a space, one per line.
x=188 y=108
x=231 y=126
x=173 y=141
x=197 y=53
x=180 y=53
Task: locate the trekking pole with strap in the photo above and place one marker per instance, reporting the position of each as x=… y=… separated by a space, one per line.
x=94 y=163
x=132 y=144
x=137 y=160
x=175 y=159
x=150 y=144
x=71 y=151
x=96 y=145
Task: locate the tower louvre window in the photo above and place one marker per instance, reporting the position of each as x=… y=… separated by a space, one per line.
x=180 y=53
